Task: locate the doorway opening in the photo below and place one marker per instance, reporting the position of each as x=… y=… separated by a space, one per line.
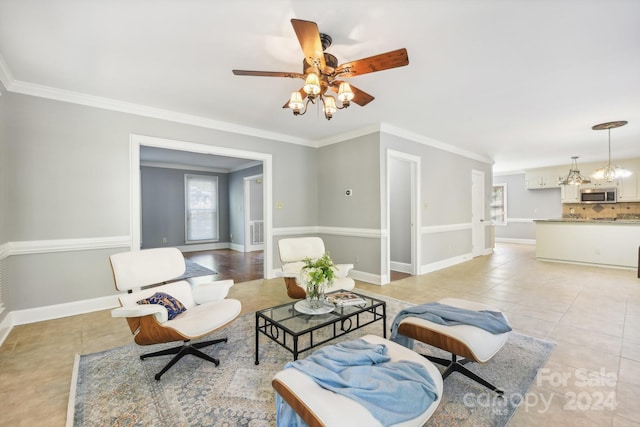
x=138 y=141
x=403 y=219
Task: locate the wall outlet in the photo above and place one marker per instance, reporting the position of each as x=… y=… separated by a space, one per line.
x=164 y=240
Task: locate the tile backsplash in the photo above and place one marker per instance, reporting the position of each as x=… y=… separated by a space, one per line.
x=605 y=210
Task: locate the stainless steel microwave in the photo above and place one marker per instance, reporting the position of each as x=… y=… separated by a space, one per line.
x=598 y=195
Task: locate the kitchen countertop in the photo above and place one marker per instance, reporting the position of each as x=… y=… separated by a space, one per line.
x=625 y=221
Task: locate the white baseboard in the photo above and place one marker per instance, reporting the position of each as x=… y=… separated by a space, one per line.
x=439 y=265
x=374 y=279
x=518 y=241
x=203 y=247
x=402 y=267
x=39 y=314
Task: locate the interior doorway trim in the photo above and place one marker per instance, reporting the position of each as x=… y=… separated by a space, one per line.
x=477 y=213
x=414 y=163
x=136 y=141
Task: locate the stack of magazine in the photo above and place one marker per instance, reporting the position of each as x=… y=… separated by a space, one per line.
x=345 y=298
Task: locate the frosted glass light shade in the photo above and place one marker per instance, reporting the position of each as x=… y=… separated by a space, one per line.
x=295 y=102
x=312 y=84
x=344 y=92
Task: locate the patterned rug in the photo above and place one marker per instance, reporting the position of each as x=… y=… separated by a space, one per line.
x=194 y=270
x=116 y=388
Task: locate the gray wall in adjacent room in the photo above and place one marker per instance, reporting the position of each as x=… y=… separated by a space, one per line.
x=523 y=206
x=163 y=206
x=68 y=169
x=236 y=202
x=400 y=212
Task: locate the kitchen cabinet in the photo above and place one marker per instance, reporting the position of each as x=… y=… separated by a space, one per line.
x=628 y=188
x=570 y=193
x=537 y=179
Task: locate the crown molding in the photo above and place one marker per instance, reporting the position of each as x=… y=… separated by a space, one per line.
x=412 y=136
x=48 y=92
x=25 y=88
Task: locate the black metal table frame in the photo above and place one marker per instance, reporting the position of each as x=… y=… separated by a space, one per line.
x=288 y=338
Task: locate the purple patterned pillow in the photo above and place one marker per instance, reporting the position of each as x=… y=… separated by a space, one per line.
x=173 y=306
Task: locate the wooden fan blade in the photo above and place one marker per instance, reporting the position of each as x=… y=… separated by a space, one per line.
x=384 y=61
x=309 y=38
x=360 y=97
x=268 y=74
x=303 y=94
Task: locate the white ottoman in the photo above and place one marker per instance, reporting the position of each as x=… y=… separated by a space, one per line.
x=471 y=343
x=321 y=407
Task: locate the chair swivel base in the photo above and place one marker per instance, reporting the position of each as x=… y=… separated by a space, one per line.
x=454 y=365
x=187 y=348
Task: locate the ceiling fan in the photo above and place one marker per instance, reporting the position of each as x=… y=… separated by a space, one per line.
x=322 y=72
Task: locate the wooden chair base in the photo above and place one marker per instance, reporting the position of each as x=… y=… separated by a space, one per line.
x=293 y=290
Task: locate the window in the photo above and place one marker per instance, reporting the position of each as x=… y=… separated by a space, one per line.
x=201 y=208
x=499 y=204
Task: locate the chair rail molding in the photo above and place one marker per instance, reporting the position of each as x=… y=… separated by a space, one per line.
x=62 y=245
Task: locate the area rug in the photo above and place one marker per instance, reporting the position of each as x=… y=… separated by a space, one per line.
x=194 y=270
x=116 y=388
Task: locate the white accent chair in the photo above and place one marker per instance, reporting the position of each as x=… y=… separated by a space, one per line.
x=293 y=251
x=471 y=343
x=207 y=308
x=318 y=406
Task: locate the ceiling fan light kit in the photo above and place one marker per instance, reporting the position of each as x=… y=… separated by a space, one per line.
x=321 y=71
x=610 y=172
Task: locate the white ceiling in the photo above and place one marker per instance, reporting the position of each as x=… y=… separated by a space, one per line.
x=518 y=81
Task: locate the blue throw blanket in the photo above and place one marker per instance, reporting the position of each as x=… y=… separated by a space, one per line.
x=442 y=314
x=392 y=391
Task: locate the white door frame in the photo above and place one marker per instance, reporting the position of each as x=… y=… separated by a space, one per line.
x=416 y=173
x=477 y=213
x=248 y=247
x=136 y=141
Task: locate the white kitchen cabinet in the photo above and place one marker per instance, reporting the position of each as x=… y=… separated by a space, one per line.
x=570 y=193
x=537 y=179
x=628 y=189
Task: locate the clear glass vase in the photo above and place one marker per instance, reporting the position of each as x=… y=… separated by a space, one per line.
x=315 y=294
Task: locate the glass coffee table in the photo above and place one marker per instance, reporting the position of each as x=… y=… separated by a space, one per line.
x=298 y=331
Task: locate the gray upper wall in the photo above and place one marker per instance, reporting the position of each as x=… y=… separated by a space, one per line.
x=68 y=168
x=68 y=177
x=355 y=165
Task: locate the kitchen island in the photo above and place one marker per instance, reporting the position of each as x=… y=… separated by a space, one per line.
x=609 y=242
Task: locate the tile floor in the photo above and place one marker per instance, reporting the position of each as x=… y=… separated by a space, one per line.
x=593 y=314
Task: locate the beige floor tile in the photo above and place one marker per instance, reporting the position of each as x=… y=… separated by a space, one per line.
x=627 y=399
x=630 y=371
x=631 y=350
x=585 y=338
x=619 y=421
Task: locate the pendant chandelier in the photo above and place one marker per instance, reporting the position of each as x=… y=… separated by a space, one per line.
x=610 y=172
x=574 y=177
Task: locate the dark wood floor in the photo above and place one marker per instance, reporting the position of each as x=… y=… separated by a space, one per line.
x=242 y=266
x=230 y=264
